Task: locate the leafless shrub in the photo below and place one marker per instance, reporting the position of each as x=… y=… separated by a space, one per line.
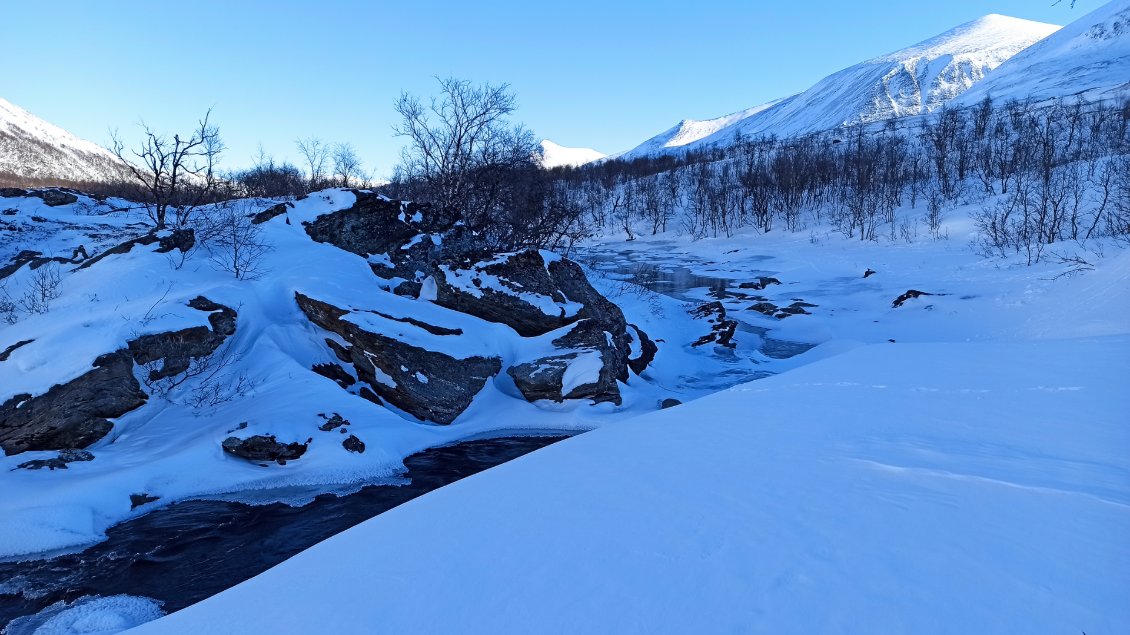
x=43 y=289
x=236 y=245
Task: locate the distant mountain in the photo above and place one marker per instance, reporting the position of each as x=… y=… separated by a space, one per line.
x=35 y=152
x=553 y=155
x=912 y=81
x=1090 y=57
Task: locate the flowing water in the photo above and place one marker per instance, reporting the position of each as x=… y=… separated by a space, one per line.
x=188 y=551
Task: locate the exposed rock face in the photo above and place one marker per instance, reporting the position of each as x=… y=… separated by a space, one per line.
x=426 y=384
x=588 y=368
x=7 y=352
x=271 y=212
x=74 y=414
x=175 y=350
x=336 y=373
x=264 y=448
x=411 y=235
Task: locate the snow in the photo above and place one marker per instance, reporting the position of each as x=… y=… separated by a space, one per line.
x=913 y=81
x=583 y=369
x=925 y=488
x=552 y=155
x=1090 y=57
x=92 y=615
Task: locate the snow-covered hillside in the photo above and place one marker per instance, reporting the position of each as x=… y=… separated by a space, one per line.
x=553 y=155
x=912 y=81
x=1090 y=58
x=35 y=151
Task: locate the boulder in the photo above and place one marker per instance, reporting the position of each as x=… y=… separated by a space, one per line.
x=911 y=294
x=74 y=414
x=426 y=384
x=264 y=448
x=137 y=500
x=587 y=368
x=759 y=284
x=669 y=403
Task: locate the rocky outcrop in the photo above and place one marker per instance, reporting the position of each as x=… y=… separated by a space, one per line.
x=51 y=197
x=426 y=384
x=74 y=414
x=166 y=241
x=171 y=353
x=270 y=212
x=7 y=352
x=264 y=448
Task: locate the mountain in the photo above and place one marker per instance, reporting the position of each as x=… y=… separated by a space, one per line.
x=553 y=155
x=34 y=152
x=1090 y=56
x=912 y=81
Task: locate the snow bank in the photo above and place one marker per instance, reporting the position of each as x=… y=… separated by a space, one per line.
x=912 y=488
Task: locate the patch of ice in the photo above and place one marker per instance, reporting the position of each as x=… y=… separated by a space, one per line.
x=90 y=615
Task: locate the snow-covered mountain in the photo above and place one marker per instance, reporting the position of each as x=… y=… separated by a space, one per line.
x=912 y=81
x=1090 y=56
x=553 y=155
x=35 y=151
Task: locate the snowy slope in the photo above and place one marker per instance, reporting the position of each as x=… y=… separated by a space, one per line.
x=31 y=148
x=899 y=488
x=553 y=155
x=1090 y=57
x=912 y=81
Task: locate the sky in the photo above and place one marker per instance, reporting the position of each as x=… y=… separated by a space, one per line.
x=601 y=74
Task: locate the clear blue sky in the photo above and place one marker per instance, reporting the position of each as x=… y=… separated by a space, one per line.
x=602 y=74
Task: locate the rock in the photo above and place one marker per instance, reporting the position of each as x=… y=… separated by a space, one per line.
x=182 y=239
x=369 y=395
x=870 y=272
x=54 y=197
x=335 y=421
x=669 y=403
x=137 y=500
x=7 y=352
x=73 y=414
x=589 y=369
x=393 y=368
x=796 y=308
x=759 y=284
x=58 y=463
x=909 y=295
x=175 y=350
x=528 y=294
x=722 y=329
x=353 y=444
x=336 y=373
x=377 y=225
x=264 y=448
x=270 y=212
x=647 y=351
x=339 y=350
x=12 y=192
x=766 y=308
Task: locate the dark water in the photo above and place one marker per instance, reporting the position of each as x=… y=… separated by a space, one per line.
x=189 y=551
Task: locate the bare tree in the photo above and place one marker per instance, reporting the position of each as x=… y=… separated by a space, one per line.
x=178 y=173
x=346 y=164
x=315 y=153
x=463 y=153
